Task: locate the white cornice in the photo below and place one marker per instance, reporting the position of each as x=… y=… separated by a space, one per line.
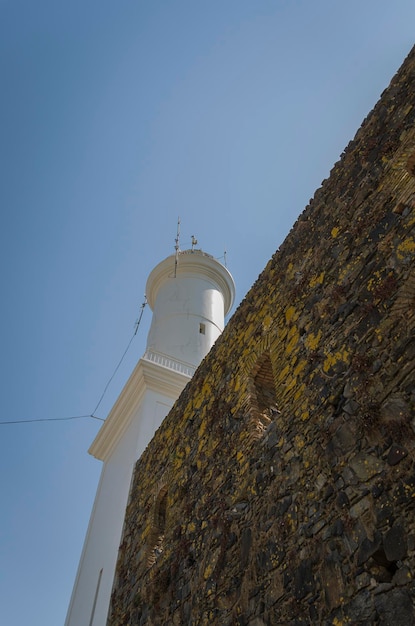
x=193 y=263
x=146 y=376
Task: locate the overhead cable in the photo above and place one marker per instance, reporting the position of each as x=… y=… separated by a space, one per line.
x=91 y=415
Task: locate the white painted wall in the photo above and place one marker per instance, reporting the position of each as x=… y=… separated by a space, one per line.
x=175 y=328
x=107 y=518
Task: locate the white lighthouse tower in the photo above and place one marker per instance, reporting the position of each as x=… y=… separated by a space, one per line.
x=190 y=293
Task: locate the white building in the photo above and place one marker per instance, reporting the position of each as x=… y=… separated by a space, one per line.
x=190 y=293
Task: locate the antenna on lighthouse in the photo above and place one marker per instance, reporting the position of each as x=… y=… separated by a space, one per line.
x=177 y=247
x=194 y=242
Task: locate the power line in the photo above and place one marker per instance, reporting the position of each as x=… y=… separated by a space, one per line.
x=53 y=419
x=91 y=415
x=137 y=324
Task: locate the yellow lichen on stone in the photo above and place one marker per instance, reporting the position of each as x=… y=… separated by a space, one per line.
x=311 y=341
x=289 y=314
x=197 y=401
x=373 y=281
x=299 y=442
x=208 y=571
x=237 y=385
x=335 y=232
x=347 y=270
x=293 y=338
x=299 y=367
x=202 y=428
x=316 y=280
x=206 y=389
x=300 y=391
x=290 y=383
x=411 y=222
x=178 y=462
x=283 y=373
x=290 y=271
x=406 y=247
x=340 y=622
x=336 y=357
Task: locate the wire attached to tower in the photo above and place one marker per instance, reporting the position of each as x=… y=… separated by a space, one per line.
x=137 y=324
x=177 y=247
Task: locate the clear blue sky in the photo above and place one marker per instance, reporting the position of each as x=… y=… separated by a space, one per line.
x=116 y=117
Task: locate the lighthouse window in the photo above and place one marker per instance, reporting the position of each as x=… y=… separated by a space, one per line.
x=202 y=329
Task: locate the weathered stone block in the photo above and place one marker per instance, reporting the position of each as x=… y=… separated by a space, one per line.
x=395 y=543
x=396 y=454
x=395 y=608
x=366 y=465
x=303 y=581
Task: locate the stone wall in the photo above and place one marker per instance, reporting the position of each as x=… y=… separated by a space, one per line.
x=280 y=489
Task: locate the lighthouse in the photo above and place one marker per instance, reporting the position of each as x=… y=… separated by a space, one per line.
x=189 y=293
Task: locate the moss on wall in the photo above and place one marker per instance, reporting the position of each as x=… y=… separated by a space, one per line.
x=295 y=504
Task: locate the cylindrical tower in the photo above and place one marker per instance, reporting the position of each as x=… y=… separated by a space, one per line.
x=189 y=294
